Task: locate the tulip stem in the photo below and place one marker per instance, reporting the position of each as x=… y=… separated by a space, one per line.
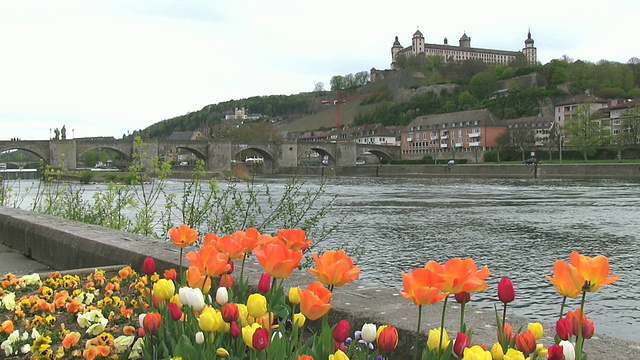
x=181 y=274
x=444 y=309
x=415 y=345
x=564 y=302
x=579 y=337
x=462 y=329
x=504 y=315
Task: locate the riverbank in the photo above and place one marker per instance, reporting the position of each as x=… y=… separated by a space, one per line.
x=62 y=244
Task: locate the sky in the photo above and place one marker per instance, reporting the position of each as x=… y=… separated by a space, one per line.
x=107 y=68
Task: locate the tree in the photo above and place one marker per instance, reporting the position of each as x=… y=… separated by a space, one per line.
x=318 y=87
x=435 y=78
x=482 y=85
x=558 y=73
x=502 y=142
x=631 y=128
x=337 y=82
x=361 y=78
x=466 y=101
x=634 y=64
x=583 y=133
x=522 y=139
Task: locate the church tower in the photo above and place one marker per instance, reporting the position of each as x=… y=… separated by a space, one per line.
x=395 y=49
x=530 y=52
x=465 y=41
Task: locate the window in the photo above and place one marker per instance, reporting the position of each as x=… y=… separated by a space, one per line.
x=616 y=131
x=616 y=121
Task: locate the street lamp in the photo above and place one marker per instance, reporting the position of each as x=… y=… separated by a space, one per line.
x=561 y=141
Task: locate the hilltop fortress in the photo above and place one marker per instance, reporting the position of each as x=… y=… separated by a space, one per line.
x=462 y=52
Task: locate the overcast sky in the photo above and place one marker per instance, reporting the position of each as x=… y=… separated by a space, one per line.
x=103 y=68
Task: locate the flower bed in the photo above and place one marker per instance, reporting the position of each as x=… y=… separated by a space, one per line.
x=126 y=314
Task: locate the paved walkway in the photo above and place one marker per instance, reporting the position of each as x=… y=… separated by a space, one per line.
x=18 y=264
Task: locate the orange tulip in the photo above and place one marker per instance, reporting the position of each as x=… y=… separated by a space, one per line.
x=210 y=239
x=460 y=275
x=248 y=238
x=567 y=279
x=183 y=235
x=231 y=245
x=209 y=261
x=595 y=271
x=277 y=259
x=334 y=268
x=526 y=342
x=422 y=286
x=294 y=238
x=195 y=279
x=304 y=357
x=151 y=322
x=315 y=300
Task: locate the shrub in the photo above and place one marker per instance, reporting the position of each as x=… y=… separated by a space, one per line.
x=86 y=177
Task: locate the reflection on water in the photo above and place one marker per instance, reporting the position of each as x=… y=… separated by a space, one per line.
x=516 y=227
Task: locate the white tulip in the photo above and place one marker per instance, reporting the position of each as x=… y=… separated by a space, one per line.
x=140 y=319
x=222 y=296
x=369 y=332
x=199 y=337
x=568 y=350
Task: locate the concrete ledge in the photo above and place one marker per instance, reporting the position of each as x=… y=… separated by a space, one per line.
x=64 y=245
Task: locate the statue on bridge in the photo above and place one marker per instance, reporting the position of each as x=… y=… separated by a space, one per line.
x=57 y=132
x=63 y=132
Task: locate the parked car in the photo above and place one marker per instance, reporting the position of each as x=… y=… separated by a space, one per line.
x=530 y=161
x=451 y=162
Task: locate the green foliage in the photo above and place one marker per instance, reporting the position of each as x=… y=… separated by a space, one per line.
x=482 y=85
x=87 y=176
x=491 y=156
x=584 y=133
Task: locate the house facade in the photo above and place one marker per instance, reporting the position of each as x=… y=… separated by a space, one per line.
x=460 y=132
x=539 y=127
x=462 y=52
x=565 y=110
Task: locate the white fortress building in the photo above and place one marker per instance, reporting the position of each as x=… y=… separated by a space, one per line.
x=462 y=52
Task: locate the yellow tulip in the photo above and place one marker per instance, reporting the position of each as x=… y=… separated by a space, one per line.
x=294 y=295
x=476 y=353
x=541 y=351
x=207 y=321
x=256 y=305
x=222 y=352
x=299 y=319
x=247 y=333
x=536 y=329
x=339 y=355
x=496 y=352
x=243 y=313
x=513 y=354
x=164 y=289
x=433 y=341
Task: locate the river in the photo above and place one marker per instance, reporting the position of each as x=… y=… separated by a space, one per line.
x=519 y=228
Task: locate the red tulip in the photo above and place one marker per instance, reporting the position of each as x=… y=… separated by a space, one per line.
x=338 y=346
x=226 y=281
x=341 y=332
x=140 y=332
x=232 y=267
x=461 y=343
x=230 y=312
x=588 y=328
x=235 y=330
x=564 y=328
x=265 y=283
x=555 y=352
x=462 y=297
x=506 y=293
x=387 y=339
x=170 y=274
x=149 y=266
x=176 y=313
x=260 y=339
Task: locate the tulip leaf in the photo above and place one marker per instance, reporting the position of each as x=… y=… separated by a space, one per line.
x=185 y=349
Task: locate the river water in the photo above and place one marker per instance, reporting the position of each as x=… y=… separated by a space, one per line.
x=519 y=228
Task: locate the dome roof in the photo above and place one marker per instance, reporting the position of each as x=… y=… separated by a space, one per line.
x=396 y=43
x=529 y=39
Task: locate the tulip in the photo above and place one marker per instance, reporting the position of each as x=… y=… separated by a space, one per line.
x=334 y=268
x=387 y=338
x=149 y=266
x=341 y=331
x=294 y=295
x=151 y=322
x=174 y=310
x=265 y=283
x=460 y=344
x=222 y=352
x=199 y=338
x=183 y=236
x=567 y=279
x=541 y=352
x=140 y=332
x=476 y=352
x=196 y=279
x=315 y=301
x=140 y=319
x=247 y=334
x=564 y=329
x=222 y=296
x=304 y=357
x=556 y=352
x=164 y=289
x=230 y=312
x=294 y=238
x=513 y=354
x=232 y=266
x=526 y=342
x=462 y=297
x=422 y=286
x=277 y=259
x=568 y=350
x=369 y=332
x=497 y=353
x=588 y=327
x=433 y=340
x=338 y=355
x=207 y=321
x=209 y=261
x=191 y=297
x=506 y=293
x=230 y=245
x=537 y=329
x=260 y=339
x=235 y=330
x=226 y=281
x=256 y=305
x=299 y=319
x=460 y=275
x=595 y=271
x=171 y=274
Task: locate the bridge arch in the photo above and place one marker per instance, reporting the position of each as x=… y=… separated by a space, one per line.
x=39 y=149
x=268 y=163
x=385 y=154
x=10 y=164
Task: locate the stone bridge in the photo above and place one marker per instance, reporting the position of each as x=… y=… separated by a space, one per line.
x=217 y=156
